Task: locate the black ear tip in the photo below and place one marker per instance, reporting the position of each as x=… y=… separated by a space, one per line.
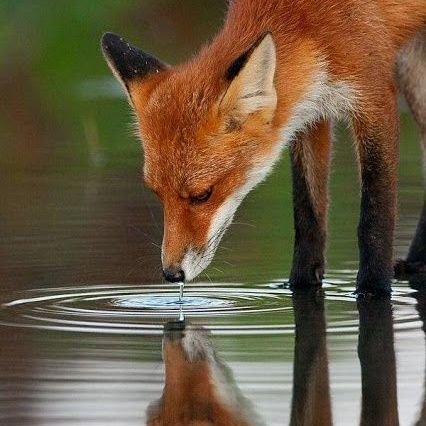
x=127 y=61
x=109 y=40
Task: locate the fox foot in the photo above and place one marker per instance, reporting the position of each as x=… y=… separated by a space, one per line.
x=303 y=278
x=406 y=269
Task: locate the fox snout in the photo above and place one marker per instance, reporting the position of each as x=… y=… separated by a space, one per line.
x=191 y=262
x=174 y=274
x=185 y=258
x=185 y=250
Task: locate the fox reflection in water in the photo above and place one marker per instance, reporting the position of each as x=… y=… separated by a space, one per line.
x=200 y=390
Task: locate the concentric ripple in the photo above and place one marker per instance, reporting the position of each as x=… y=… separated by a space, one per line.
x=224 y=309
x=135 y=309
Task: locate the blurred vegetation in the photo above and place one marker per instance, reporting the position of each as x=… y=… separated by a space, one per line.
x=58 y=89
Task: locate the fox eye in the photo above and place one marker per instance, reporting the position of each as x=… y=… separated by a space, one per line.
x=202 y=197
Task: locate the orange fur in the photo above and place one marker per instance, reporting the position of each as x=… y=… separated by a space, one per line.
x=314 y=154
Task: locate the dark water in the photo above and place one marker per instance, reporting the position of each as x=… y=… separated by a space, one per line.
x=82 y=305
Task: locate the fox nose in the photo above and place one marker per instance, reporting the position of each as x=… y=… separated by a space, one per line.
x=174 y=275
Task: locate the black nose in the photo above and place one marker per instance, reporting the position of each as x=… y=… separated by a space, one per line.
x=174 y=275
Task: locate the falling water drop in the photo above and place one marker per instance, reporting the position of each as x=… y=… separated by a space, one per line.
x=181 y=313
x=181 y=286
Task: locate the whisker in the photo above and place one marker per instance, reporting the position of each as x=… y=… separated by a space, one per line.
x=147 y=204
x=210 y=248
x=208 y=276
x=251 y=225
x=145 y=234
x=217 y=269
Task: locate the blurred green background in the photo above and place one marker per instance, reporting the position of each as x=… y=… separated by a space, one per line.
x=73 y=207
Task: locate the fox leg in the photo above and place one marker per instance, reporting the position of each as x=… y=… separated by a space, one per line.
x=376 y=130
x=412 y=73
x=310 y=159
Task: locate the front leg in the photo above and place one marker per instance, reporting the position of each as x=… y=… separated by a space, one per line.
x=377 y=137
x=310 y=160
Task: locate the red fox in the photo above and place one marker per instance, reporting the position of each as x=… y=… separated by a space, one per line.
x=277 y=75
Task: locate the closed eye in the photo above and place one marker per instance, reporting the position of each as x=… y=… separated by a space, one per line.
x=202 y=197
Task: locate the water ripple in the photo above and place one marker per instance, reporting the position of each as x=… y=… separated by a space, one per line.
x=223 y=308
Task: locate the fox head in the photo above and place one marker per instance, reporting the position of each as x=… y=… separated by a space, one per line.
x=207 y=130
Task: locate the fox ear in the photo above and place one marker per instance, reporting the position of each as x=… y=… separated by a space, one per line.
x=128 y=63
x=251 y=79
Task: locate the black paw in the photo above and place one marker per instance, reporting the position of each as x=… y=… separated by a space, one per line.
x=303 y=285
x=404 y=269
x=368 y=293
x=374 y=281
x=306 y=278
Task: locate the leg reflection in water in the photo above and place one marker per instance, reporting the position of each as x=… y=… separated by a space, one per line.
x=199 y=388
x=418 y=282
x=311 y=404
x=311 y=394
x=377 y=357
